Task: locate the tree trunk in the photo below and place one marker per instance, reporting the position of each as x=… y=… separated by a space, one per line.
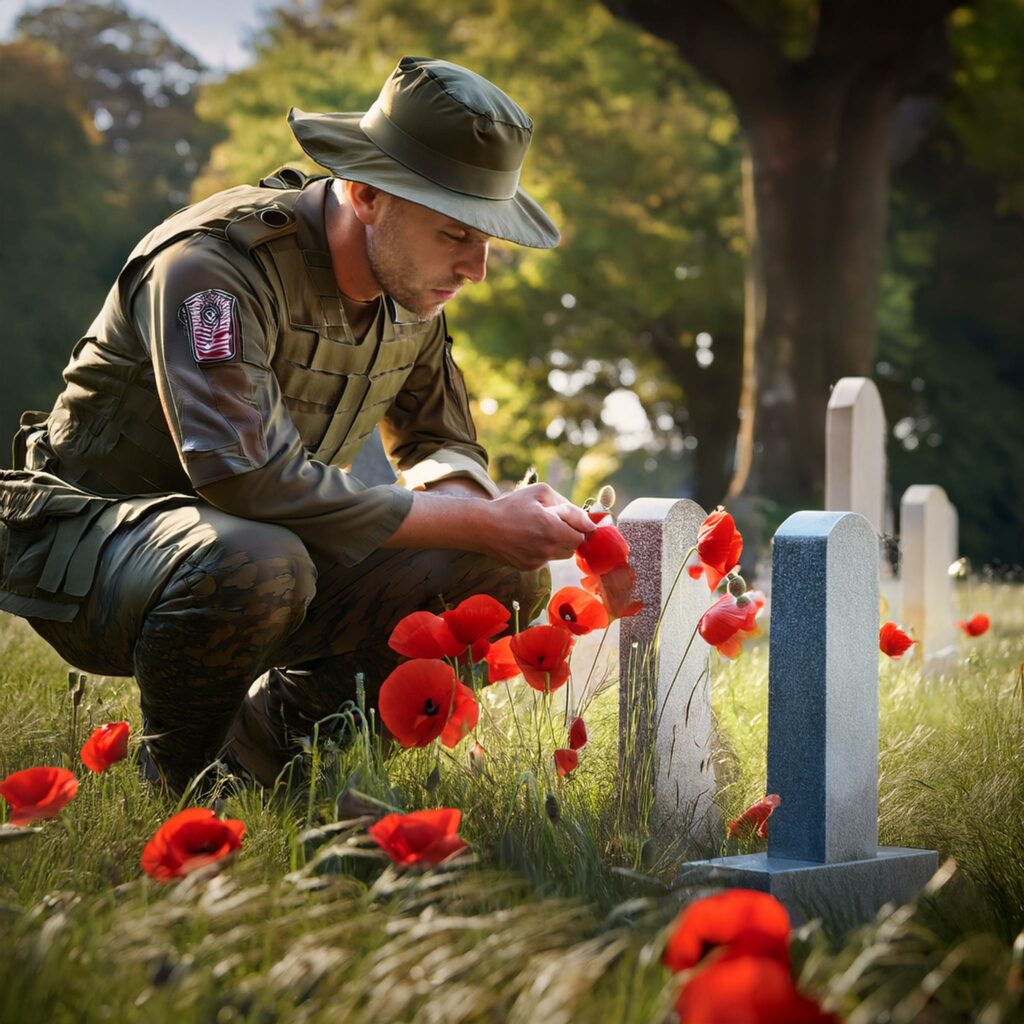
x=820 y=164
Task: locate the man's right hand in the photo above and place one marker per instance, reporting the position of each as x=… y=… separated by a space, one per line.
x=526 y=528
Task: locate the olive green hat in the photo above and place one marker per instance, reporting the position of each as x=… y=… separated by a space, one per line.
x=441 y=136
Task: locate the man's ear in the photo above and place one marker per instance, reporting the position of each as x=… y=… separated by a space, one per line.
x=366 y=201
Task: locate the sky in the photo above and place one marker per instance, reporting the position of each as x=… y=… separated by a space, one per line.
x=214 y=30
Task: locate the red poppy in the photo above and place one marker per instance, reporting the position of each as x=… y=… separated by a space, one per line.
x=424 y=635
x=190 y=840
x=976 y=625
x=422 y=837
x=417 y=700
x=577 y=734
x=575 y=610
x=501 y=662
x=754 y=818
x=37 y=793
x=893 y=641
x=566 y=761
x=541 y=652
x=730 y=616
x=603 y=550
x=747 y=990
x=464 y=717
x=477 y=619
x=107 y=745
x=737 y=922
x=615 y=589
x=719 y=545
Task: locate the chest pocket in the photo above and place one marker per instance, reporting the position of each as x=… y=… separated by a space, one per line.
x=336 y=389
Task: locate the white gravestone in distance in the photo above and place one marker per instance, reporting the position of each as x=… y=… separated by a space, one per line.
x=823 y=856
x=928 y=546
x=664 y=701
x=855 y=450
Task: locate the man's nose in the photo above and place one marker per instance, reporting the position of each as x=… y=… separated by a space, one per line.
x=472 y=265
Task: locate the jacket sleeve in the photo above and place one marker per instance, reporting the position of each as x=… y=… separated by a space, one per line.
x=428 y=431
x=210 y=322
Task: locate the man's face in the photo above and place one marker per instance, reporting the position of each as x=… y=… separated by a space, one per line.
x=422 y=258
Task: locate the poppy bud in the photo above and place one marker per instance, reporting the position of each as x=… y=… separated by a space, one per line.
x=737 y=586
x=551 y=808
x=606 y=496
x=742 y=601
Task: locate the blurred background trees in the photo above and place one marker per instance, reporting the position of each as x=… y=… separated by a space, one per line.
x=623 y=350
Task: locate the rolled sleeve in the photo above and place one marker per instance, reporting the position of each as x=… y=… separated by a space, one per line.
x=428 y=432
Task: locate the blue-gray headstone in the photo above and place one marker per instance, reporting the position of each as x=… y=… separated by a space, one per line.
x=823 y=688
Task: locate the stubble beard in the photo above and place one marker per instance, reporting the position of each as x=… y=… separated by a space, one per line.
x=384 y=252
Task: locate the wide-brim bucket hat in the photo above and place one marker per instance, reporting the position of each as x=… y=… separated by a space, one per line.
x=441 y=136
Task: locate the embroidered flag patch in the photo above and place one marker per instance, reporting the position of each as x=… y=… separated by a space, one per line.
x=211 y=320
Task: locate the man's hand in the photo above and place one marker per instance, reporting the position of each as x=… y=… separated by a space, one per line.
x=525 y=529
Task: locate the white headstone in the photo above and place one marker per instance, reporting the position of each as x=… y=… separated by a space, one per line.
x=664 y=700
x=928 y=546
x=855 y=451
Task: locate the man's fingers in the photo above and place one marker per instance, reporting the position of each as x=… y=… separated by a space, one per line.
x=572 y=515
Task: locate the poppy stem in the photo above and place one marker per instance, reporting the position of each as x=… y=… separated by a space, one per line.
x=679 y=668
x=649 y=653
x=585 y=701
x=515 y=716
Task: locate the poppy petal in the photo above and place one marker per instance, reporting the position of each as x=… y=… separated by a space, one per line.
x=107 y=745
x=603 y=549
x=419 y=838
x=463 y=719
x=479 y=617
x=424 y=635
x=572 y=608
x=754 y=818
x=577 y=734
x=893 y=641
x=566 y=761
x=416 y=701
x=737 y=922
x=35 y=793
x=719 y=546
x=501 y=663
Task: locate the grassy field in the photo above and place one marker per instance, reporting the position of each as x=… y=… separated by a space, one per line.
x=561 y=912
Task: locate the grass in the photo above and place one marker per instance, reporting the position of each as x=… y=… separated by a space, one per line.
x=561 y=912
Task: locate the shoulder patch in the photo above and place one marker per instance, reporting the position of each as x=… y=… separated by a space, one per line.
x=210 y=319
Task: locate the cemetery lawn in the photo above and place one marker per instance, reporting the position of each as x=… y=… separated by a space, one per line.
x=560 y=915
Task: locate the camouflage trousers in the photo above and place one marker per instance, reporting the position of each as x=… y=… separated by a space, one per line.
x=240 y=640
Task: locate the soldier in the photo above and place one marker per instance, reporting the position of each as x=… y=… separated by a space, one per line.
x=185 y=514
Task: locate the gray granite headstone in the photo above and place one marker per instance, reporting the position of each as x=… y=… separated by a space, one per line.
x=928 y=546
x=665 y=724
x=855 y=450
x=823 y=857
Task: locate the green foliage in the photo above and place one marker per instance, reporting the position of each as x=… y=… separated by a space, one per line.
x=634 y=156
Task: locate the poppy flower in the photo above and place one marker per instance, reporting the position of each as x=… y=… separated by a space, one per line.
x=615 y=589
x=893 y=641
x=463 y=719
x=37 y=793
x=424 y=635
x=541 y=652
x=577 y=611
x=754 y=818
x=577 y=734
x=422 y=837
x=694 y=568
x=188 y=841
x=749 y=630
x=603 y=549
x=976 y=625
x=474 y=621
x=737 y=922
x=747 y=990
x=730 y=616
x=419 y=698
x=107 y=745
x=719 y=545
x=501 y=662
x=566 y=761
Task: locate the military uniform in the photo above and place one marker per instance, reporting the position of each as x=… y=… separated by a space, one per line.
x=184 y=514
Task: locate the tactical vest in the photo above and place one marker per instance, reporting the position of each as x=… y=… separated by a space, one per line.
x=107 y=439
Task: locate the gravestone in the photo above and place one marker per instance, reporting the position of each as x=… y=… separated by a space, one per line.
x=855 y=451
x=823 y=857
x=594 y=658
x=928 y=544
x=665 y=724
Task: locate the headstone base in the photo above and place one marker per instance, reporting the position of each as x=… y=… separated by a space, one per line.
x=843 y=894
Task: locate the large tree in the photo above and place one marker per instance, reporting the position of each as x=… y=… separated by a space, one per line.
x=815 y=86
x=639 y=161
